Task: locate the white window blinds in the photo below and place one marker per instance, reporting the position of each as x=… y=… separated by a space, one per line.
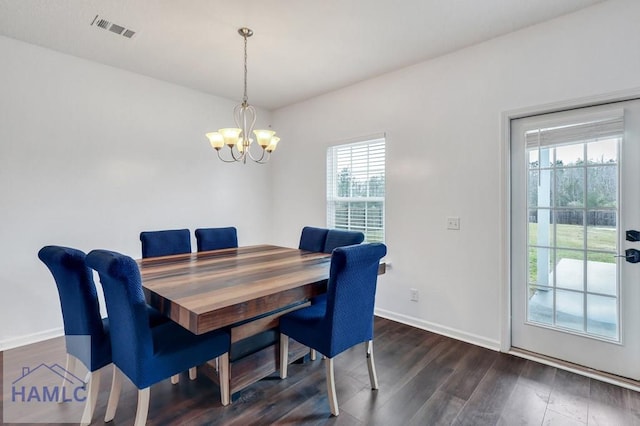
x=356 y=188
x=601 y=126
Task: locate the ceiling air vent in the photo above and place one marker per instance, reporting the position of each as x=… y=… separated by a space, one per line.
x=114 y=28
x=103 y=24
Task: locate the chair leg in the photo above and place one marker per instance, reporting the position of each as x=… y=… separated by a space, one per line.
x=69 y=368
x=373 y=377
x=331 y=387
x=143 y=407
x=313 y=354
x=284 y=355
x=223 y=376
x=193 y=374
x=92 y=397
x=114 y=395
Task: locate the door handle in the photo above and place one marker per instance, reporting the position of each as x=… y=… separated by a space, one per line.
x=631 y=255
x=633 y=235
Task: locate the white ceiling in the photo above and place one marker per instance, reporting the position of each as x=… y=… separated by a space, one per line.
x=301 y=48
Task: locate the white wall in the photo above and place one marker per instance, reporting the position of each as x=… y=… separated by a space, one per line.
x=442 y=120
x=90 y=156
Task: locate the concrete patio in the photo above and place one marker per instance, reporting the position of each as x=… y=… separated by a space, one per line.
x=602 y=316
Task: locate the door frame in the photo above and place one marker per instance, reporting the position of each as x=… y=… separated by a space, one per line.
x=505 y=189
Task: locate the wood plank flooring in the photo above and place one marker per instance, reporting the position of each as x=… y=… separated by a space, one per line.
x=425 y=379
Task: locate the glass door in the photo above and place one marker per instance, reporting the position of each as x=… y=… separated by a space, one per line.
x=573 y=191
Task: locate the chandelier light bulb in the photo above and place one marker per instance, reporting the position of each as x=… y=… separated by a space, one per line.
x=273 y=144
x=216 y=140
x=264 y=137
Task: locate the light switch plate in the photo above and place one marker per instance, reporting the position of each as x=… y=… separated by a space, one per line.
x=453 y=223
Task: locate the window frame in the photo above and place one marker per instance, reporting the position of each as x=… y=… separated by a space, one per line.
x=376 y=154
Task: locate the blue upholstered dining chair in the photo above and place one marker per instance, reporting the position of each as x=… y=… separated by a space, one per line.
x=81 y=317
x=165 y=243
x=313 y=239
x=345 y=320
x=148 y=355
x=324 y=241
x=340 y=238
x=216 y=238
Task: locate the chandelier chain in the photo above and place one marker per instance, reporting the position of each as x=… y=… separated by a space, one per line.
x=245 y=98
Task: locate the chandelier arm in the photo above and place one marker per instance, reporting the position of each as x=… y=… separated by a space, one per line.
x=223 y=160
x=259 y=160
x=265 y=161
x=240 y=113
x=254 y=116
x=236 y=115
x=241 y=156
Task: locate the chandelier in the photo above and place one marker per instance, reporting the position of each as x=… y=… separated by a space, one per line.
x=239 y=139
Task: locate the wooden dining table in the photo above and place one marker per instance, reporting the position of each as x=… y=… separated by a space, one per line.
x=243 y=290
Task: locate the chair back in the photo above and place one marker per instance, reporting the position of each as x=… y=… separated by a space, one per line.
x=313 y=239
x=340 y=238
x=351 y=294
x=131 y=338
x=79 y=303
x=165 y=243
x=216 y=238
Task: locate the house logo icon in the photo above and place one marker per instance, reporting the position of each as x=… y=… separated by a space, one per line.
x=47 y=383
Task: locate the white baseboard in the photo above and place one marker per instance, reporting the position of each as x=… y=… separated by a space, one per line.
x=30 y=338
x=474 y=339
x=404 y=319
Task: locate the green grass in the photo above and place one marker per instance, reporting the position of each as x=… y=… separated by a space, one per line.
x=572 y=237
x=375 y=236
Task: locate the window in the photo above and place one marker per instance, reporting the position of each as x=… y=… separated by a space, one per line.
x=355 y=188
x=572 y=205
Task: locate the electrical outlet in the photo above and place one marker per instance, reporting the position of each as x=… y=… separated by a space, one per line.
x=453 y=223
x=415 y=295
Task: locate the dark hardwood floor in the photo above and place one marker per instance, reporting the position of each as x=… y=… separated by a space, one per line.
x=425 y=379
